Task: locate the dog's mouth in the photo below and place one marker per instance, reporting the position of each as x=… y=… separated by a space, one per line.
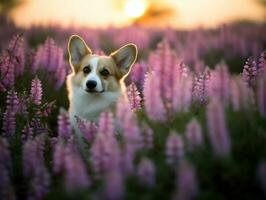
x=94 y=91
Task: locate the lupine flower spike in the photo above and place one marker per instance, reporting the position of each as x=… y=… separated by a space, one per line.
x=218 y=133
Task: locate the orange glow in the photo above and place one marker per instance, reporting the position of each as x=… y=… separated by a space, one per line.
x=102 y=13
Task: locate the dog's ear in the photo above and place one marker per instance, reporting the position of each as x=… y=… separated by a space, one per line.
x=77 y=49
x=125 y=57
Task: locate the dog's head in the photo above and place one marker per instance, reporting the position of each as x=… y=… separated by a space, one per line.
x=95 y=73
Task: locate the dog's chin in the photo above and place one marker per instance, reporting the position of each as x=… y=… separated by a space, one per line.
x=94 y=91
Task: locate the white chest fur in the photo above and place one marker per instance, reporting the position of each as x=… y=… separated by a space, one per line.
x=90 y=105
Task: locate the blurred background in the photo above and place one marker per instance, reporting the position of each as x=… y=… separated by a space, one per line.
x=157 y=13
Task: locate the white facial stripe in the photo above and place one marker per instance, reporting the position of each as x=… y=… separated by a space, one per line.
x=93 y=74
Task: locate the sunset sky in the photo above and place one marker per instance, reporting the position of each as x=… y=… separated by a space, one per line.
x=101 y=13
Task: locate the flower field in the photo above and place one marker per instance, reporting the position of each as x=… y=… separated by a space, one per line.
x=193 y=127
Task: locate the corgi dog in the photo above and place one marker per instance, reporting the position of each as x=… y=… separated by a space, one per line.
x=96 y=81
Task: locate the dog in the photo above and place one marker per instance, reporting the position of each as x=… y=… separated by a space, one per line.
x=96 y=81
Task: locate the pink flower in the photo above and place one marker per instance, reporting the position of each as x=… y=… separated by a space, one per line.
x=12 y=101
x=186 y=182
x=174 y=148
x=76 y=176
x=49 y=57
x=104 y=154
x=201 y=87
x=64 y=126
x=250 y=72
x=134 y=96
x=218 y=133
x=182 y=97
x=7 y=71
x=146 y=172
x=59 y=154
x=6 y=188
x=87 y=128
x=36 y=91
x=106 y=124
x=147 y=135
x=137 y=73
x=128 y=124
x=262 y=62
x=194 y=134
x=17 y=49
x=34 y=168
x=167 y=69
x=127 y=158
x=152 y=99
x=241 y=94
x=220 y=83
x=9 y=123
x=262 y=95
x=114 y=185
x=27 y=132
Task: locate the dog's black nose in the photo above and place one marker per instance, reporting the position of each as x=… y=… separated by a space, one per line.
x=91 y=84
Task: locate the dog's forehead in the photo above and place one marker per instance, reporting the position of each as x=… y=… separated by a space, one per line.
x=106 y=61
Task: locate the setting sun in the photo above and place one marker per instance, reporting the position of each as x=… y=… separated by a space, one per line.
x=135 y=8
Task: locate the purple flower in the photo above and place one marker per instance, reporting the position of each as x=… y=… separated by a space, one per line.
x=182 y=97
x=7 y=71
x=137 y=73
x=6 y=189
x=187 y=188
x=127 y=158
x=201 y=86
x=60 y=72
x=122 y=110
x=114 y=185
x=16 y=48
x=49 y=57
x=262 y=95
x=262 y=62
x=37 y=126
x=194 y=134
x=174 y=148
x=104 y=154
x=241 y=94
x=131 y=131
x=152 y=99
x=63 y=124
x=147 y=136
x=23 y=105
x=27 y=132
x=9 y=123
x=36 y=91
x=34 y=168
x=134 y=96
x=12 y=101
x=106 y=124
x=220 y=83
x=218 y=133
x=128 y=124
x=87 y=128
x=146 y=172
x=76 y=176
x=250 y=72
x=167 y=69
x=59 y=154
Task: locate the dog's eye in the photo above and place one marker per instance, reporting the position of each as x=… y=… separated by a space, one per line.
x=104 y=72
x=86 y=70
